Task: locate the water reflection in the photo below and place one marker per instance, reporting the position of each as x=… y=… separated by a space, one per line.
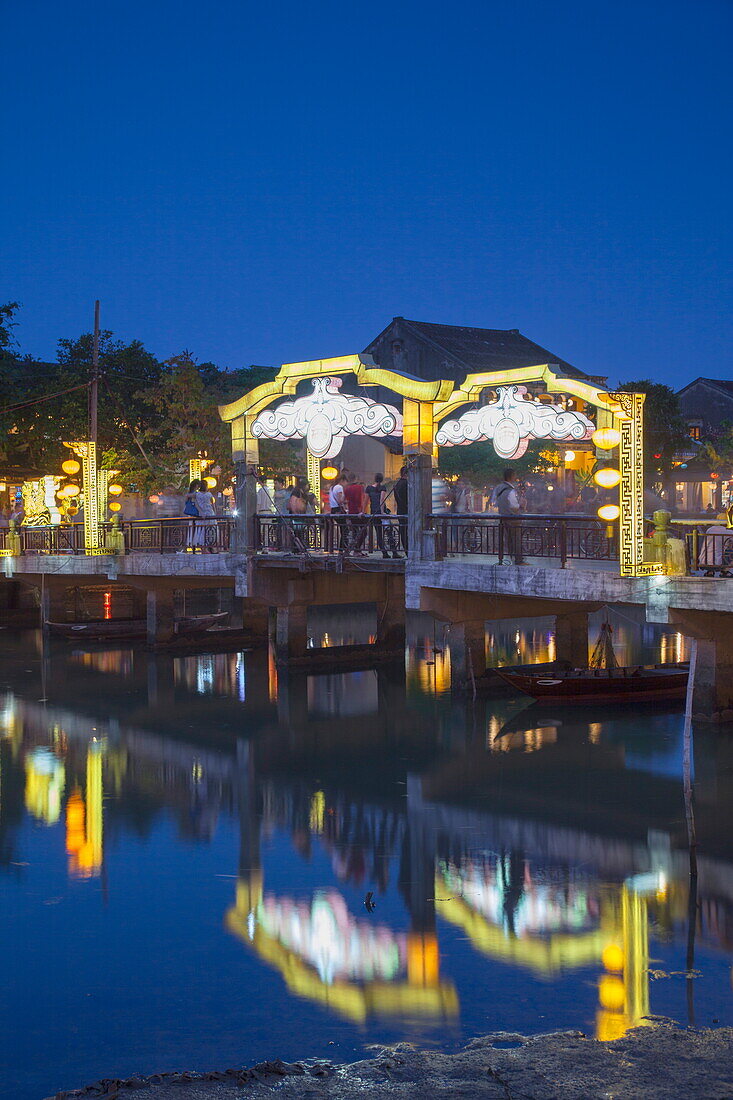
x=529 y=869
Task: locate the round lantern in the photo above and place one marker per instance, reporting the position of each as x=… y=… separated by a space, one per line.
x=71 y=466
x=72 y=510
x=613 y=957
x=154 y=498
x=115 y=506
x=210 y=482
x=609 y=512
x=607 y=478
x=606 y=438
x=329 y=473
x=611 y=993
x=114 y=490
x=70 y=491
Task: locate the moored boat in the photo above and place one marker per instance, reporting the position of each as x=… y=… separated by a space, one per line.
x=133 y=628
x=602 y=685
x=604 y=681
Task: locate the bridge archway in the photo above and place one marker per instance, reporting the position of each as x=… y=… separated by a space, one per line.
x=426 y=407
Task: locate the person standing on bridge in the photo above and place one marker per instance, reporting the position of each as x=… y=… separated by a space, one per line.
x=401 y=497
x=505 y=499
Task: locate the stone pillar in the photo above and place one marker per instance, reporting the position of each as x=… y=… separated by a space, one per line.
x=467 y=642
x=419 y=502
x=160 y=615
x=249 y=617
x=712 y=678
x=54 y=602
x=246 y=501
x=571 y=639
x=391 y=624
x=391 y=614
x=291 y=631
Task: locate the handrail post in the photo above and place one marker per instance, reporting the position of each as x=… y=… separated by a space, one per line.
x=563 y=543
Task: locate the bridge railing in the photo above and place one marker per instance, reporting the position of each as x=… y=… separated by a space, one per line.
x=561 y=538
x=331 y=534
x=212 y=534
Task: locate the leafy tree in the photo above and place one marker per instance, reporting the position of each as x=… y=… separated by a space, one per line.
x=480 y=465
x=664 y=429
x=7 y=324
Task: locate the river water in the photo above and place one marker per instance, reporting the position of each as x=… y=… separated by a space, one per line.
x=187 y=845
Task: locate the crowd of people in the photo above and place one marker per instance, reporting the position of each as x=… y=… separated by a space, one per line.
x=347 y=496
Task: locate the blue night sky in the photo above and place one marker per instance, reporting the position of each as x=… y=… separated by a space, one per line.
x=263 y=183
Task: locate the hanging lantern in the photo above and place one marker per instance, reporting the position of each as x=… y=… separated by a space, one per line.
x=70 y=491
x=115 y=490
x=329 y=473
x=607 y=478
x=210 y=482
x=154 y=498
x=606 y=438
x=71 y=466
x=71 y=510
x=115 y=506
x=609 y=512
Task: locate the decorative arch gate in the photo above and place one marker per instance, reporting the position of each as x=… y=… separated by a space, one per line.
x=324 y=416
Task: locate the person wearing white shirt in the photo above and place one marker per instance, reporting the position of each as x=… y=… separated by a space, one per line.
x=506 y=501
x=337 y=496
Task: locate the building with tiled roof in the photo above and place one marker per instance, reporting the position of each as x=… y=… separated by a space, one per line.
x=705 y=404
x=431 y=351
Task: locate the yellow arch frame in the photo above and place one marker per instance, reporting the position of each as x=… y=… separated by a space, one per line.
x=426 y=403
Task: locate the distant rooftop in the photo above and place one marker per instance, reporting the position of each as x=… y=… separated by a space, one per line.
x=720 y=383
x=488 y=349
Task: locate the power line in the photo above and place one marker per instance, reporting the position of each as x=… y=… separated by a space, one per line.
x=38 y=400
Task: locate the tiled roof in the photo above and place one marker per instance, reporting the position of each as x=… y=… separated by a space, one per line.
x=720 y=383
x=483 y=349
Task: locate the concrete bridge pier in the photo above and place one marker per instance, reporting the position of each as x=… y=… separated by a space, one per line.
x=291 y=631
x=710 y=695
x=160 y=615
x=467 y=642
x=54 y=601
x=571 y=638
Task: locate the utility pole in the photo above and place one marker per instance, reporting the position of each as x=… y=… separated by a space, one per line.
x=94 y=384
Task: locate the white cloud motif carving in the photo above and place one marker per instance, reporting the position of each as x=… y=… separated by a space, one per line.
x=325 y=417
x=511 y=421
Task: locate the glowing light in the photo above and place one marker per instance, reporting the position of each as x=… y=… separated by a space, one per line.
x=511 y=421
x=606 y=438
x=613 y=958
x=607 y=478
x=611 y=993
x=71 y=466
x=115 y=506
x=115 y=489
x=325 y=417
x=154 y=498
x=609 y=512
x=570 y=456
x=550 y=488
x=329 y=473
x=210 y=482
x=70 y=491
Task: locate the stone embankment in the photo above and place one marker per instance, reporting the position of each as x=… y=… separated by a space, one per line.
x=657 y=1062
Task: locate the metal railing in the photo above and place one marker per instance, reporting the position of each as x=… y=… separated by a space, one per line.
x=331 y=534
x=584 y=538
x=211 y=535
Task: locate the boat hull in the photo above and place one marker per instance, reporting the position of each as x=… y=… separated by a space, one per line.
x=132 y=628
x=601 y=686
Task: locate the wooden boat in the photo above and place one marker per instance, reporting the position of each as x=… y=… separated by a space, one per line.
x=604 y=681
x=637 y=683
x=133 y=628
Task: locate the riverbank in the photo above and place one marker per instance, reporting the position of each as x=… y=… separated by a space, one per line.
x=657 y=1062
